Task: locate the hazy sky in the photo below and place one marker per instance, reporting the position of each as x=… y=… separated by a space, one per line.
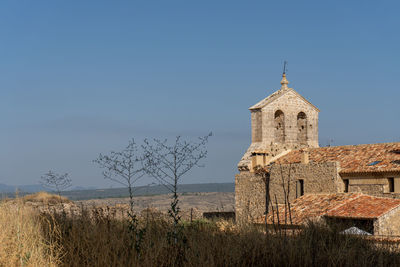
x=78 y=78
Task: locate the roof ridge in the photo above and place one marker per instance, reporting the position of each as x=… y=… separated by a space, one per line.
x=384 y=143
x=371 y=196
x=358 y=145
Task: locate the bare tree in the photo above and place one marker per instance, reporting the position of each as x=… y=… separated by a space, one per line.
x=56 y=182
x=168 y=163
x=286 y=183
x=266 y=178
x=125 y=168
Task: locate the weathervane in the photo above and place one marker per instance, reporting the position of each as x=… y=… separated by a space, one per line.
x=284 y=81
x=284 y=66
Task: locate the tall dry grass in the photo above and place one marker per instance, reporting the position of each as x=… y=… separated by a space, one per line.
x=97 y=238
x=23 y=242
x=104 y=241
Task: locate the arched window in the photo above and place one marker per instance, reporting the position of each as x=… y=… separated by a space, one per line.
x=279 y=123
x=302 y=128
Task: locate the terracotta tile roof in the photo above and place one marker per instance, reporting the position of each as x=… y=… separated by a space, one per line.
x=310 y=206
x=364 y=207
x=354 y=158
x=340 y=205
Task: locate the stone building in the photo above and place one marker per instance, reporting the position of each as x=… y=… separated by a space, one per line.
x=374 y=215
x=284 y=130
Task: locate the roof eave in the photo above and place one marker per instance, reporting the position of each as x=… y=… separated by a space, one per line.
x=353 y=217
x=280 y=93
x=369 y=172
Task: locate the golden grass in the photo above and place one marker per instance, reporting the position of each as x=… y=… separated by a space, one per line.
x=95 y=238
x=45 y=198
x=106 y=242
x=22 y=241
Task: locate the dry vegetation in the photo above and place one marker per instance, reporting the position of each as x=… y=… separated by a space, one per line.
x=22 y=239
x=195 y=202
x=31 y=237
x=45 y=198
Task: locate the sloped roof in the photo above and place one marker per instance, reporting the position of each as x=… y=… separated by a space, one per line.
x=382 y=157
x=277 y=95
x=364 y=207
x=310 y=206
x=338 y=205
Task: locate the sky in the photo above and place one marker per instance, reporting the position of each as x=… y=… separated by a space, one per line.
x=79 y=78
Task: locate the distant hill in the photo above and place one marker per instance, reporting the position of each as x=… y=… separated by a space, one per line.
x=147 y=190
x=139 y=191
x=4 y=188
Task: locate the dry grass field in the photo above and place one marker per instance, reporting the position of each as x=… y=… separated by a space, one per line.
x=38 y=230
x=198 y=202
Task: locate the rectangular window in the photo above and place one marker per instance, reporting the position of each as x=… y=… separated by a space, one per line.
x=300 y=188
x=391 y=184
x=346 y=185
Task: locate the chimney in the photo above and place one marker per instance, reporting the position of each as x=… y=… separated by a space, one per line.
x=305 y=157
x=259 y=158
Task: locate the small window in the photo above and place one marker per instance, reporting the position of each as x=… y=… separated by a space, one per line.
x=391 y=184
x=346 y=185
x=300 y=188
x=374 y=163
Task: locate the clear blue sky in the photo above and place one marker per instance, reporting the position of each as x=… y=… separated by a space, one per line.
x=82 y=77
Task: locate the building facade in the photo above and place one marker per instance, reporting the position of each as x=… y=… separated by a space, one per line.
x=284 y=131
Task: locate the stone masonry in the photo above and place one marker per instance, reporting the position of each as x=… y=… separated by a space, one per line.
x=250 y=188
x=284 y=131
x=282 y=121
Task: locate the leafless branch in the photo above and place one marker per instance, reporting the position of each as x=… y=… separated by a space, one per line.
x=56 y=182
x=123 y=167
x=168 y=163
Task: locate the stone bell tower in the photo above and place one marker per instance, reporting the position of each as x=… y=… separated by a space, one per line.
x=282 y=122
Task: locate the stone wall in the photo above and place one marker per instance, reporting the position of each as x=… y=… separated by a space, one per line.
x=256 y=126
x=250 y=188
x=288 y=122
x=388 y=224
x=291 y=105
x=317 y=178
x=249 y=197
x=376 y=184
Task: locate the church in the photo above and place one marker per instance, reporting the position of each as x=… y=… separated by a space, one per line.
x=356 y=184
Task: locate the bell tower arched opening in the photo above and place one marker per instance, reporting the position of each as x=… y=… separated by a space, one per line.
x=302 y=128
